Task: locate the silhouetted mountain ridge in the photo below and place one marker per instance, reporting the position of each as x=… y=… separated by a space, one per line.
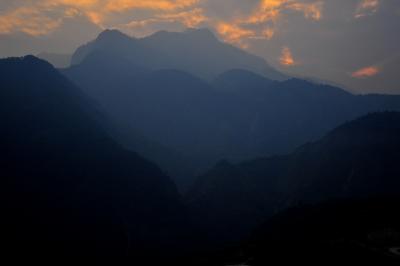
x=196 y=51
x=67 y=189
x=57 y=60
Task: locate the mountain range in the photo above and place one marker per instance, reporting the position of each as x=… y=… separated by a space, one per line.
x=180 y=149
x=177 y=50
x=233 y=114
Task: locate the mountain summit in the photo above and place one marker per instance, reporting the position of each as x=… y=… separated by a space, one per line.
x=196 y=51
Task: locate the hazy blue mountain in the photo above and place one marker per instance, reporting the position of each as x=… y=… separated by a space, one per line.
x=242 y=82
x=57 y=60
x=289 y=113
x=117 y=44
x=240 y=115
x=67 y=189
x=196 y=51
x=177 y=119
x=358 y=160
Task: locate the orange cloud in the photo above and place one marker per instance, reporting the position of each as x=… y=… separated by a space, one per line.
x=266 y=4
x=38 y=24
x=267 y=10
x=234 y=34
x=271 y=10
x=311 y=10
x=265 y=16
x=366 y=72
x=123 y=5
x=44 y=16
x=268 y=33
x=190 y=19
x=95 y=17
x=262 y=17
x=41 y=17
x=367 y=7
x=75 y=3
x=369 y=4
x=286 y=58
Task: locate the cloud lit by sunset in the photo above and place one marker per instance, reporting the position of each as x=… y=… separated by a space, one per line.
x=286 y=58
x=325 y=34
x=123 y=5
x=367 y=7
x=42 y=17
x=366 y=72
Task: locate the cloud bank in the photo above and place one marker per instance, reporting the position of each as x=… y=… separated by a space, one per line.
x=324 y=38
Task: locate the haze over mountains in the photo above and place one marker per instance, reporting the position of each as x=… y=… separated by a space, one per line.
x=176 y=147
x=196 y=51
x=57 y=60
x=152 y=85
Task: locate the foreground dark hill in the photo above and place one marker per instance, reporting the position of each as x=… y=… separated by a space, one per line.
x=355 y=161
x=196 y=51
x=333 y=233
x=67 y=189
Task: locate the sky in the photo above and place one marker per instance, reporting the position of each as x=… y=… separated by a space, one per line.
x=351 y=43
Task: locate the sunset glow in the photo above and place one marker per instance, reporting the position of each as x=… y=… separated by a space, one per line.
x=286 y=58
x=366 y=72
x=318 y=36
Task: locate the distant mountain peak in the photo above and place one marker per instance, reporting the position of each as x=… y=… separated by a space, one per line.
x=237 y=73
x=202 y=32
x=28 y=60
x=109 y=40
x=112 y=34
x=197 y=51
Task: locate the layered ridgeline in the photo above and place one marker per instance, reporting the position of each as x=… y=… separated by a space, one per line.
x=67 y=189
x=57 y=60
x=153 y=86
x=196 y=51
x=358 y=160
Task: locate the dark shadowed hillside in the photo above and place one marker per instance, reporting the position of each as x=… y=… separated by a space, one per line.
x=177 y=112
x=358 y=159
x=332 y=233
x=355 y=161
x=67 y=189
